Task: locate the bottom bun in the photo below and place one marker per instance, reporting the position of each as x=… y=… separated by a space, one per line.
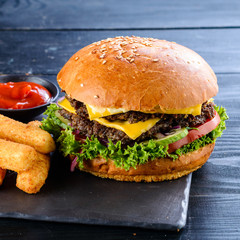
x=153 y=171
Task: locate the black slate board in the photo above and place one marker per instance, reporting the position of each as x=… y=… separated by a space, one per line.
x=82 y=198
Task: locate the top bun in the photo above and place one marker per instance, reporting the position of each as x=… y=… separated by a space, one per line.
x=139 y=74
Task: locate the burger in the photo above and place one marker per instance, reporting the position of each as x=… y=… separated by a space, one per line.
x=136 y=109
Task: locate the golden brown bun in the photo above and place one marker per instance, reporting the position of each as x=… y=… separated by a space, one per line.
x=138 y=74
x=153 y=171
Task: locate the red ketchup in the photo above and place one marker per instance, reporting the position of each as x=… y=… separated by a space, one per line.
x=21 y=95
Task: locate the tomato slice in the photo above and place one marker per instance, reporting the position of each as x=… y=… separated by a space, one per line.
x=194 y=134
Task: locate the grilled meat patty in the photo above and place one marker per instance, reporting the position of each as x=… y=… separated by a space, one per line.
x=81 y=122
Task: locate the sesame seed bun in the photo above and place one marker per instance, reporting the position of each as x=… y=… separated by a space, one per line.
x=153 y=171
x=140 y=74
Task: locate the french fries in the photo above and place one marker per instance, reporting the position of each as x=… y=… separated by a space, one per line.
x=26 y=134
x=2 y=175
x=35 y=124
x=32 y=180
x=25 y=148
x=15 y=156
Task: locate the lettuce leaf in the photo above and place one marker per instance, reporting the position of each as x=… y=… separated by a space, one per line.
x=217 y=132
x=67 y=143
x=124 y=158
x=52 y=123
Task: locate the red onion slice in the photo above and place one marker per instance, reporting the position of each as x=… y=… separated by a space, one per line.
x=73 y=164
x=59 y=100
x=77 y=131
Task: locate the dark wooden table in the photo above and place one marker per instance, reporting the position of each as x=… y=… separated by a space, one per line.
x=37 y=37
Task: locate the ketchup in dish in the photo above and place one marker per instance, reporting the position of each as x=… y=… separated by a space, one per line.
x=21 y=95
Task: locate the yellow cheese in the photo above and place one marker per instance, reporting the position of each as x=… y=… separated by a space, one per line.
x=132 y=130
x=97 y=112
x=65 y=104
x=195 y=110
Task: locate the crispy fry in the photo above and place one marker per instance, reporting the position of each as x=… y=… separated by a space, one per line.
x=15 y=156
x=32 y=180
x=23 y=133
x=35 y=123
x=2 y=175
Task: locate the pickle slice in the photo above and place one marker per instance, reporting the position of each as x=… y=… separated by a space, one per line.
x=60 y=117
x=173 y=137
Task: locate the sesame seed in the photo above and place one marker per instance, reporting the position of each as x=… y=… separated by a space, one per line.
x=155 y=60
x=131 y=56
x=128 y=58
x=76 y=58
x=104 y=61
x=81 y=85
x=60 y=80
x=94 y=51
x=110 y=47
x=123 y=44
x=118 y=57
x=134 y=50
x=103 y=55
x=103 y=46
x=124 y=51
x=132 y=60
x=137 y=54
x=96 y=96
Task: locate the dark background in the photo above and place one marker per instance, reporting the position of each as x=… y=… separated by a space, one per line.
x=38 y=37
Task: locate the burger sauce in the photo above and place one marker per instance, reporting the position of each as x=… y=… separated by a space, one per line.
x=22 y=95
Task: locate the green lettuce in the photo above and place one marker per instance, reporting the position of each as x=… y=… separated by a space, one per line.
x=125 y=158
x=52 y=123
x=67 y=143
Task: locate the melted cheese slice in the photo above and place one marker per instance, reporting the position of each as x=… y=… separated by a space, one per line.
x=195 y=110
x=65 y=104
x=96 y=112
x=132 y=130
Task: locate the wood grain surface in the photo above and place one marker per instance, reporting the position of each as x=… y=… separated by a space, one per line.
x=37 y=37
x=124 y=14
x=45 y=52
